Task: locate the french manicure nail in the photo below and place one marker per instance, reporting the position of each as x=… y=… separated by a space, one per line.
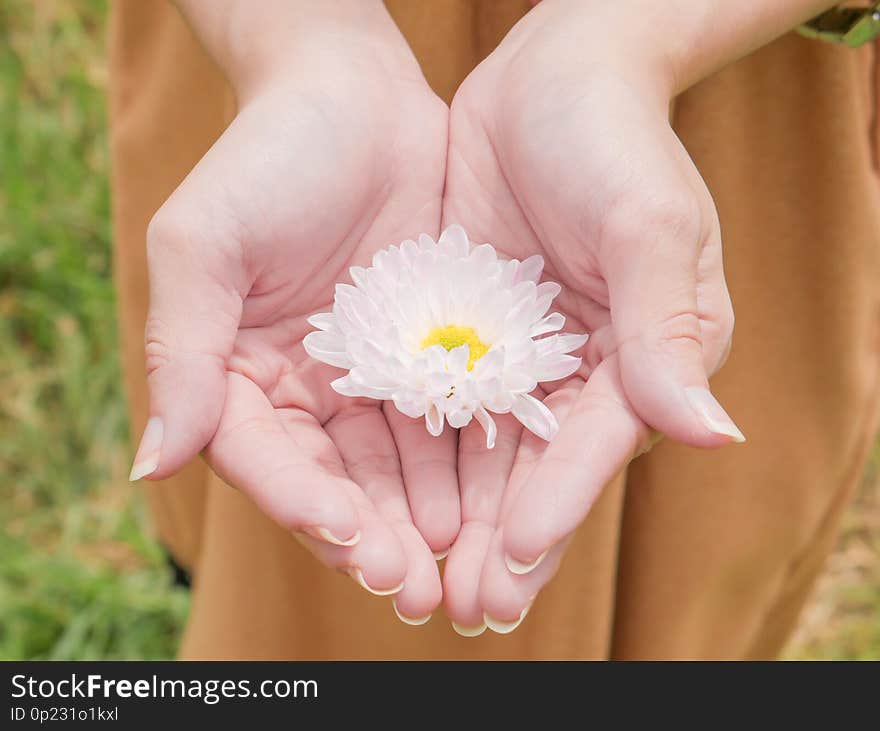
x=710 y=412
x=440 y=555
x=358 y=576
x=147 y=458
x=505 y=628
x=469 y=631
x=414 y=621
x=325 y=535
x=520 y=567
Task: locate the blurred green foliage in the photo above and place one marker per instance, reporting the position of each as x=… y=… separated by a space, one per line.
x=80 y=578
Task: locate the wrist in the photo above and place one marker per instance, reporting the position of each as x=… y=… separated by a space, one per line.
x=684 y=41
x=677 y=43
x=297 y=43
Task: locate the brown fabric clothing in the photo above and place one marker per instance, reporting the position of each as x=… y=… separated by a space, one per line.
x=689 y=554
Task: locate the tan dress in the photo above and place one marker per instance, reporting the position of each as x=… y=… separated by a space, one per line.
x=689 y=554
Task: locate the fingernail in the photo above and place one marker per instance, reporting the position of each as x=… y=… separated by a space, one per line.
x=713 y=416
x=325 y=535
x=440 y=555
x=469 y=631
x=519 y=567
x=505 y=628
x=358 y=575
x=414 y=621
x=147 y=458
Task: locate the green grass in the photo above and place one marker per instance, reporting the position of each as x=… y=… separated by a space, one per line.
x=80 y=576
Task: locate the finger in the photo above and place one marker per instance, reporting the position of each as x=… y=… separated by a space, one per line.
x=461 y=578
x=195 y=307
x=505 y=594
x=483 y=475
x=655 y=279
x=368 y=558
x=422 y=590
x=713 y=298
x=369 y=453
x=596 y=439
x=429 y=472
x=506 y=597
x=299 y=481
x=714 y=304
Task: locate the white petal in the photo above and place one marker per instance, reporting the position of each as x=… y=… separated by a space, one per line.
x=530 y=269
x=519 y=381
x=482 y=256
x=409 y=251
x=434 y=420
x=518 y=321
x=549 y=324
x=322 y=320
x=569 y=341
x=519 y=351
x=440 y=384
x=490 y=365
x=459 y=418
x=435 y=357
x=489 y=426
x=548 y=289
x=535 y=416
x=509 y=271
x=455 y=237
x=544 y=296
x=554 y=367
x=366 y=352
x=359 y=276
x=457 y=359
x=346 y=387
x=561 y=343
x=327 y=348
x=373 y=378
x=500 y=403
x=409 y=406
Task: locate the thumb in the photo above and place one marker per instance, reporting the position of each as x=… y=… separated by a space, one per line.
x=195 y=309
x=672 y=319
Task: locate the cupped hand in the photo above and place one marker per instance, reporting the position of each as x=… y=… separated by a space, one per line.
x=321 y=167
x=560 y=144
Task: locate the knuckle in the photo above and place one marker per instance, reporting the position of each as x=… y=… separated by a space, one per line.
x=168 y=231
x=634 y=220
x=671 y=334
x=181 y=231
x=157 y=346
x=679 y=328
x=678 y=216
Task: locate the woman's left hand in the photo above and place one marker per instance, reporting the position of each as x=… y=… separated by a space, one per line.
x=560 y=144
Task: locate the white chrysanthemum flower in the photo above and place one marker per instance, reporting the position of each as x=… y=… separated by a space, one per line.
x=449 y=332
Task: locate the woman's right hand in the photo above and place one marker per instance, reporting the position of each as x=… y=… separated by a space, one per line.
x=333 y=155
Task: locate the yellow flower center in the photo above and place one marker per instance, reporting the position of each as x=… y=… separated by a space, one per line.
x=452 y=336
